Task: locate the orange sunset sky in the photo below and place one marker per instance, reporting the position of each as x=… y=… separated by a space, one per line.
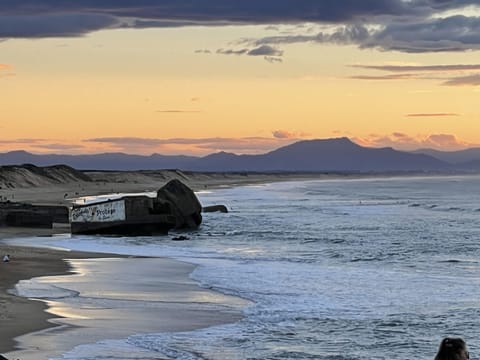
x=196 y=77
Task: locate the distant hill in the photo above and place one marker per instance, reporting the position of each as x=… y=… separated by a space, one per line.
x=473 y=165
x=105 y=161
x=323 y=155
x=327 y=155
x=453 y=157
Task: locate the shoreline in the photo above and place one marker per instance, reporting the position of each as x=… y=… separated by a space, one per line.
x=20 y=315
x=23 y=319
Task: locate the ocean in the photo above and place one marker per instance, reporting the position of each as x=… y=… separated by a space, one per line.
x=344 y=269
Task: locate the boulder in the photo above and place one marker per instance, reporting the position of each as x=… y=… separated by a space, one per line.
x=184 y=204
x=215 y=208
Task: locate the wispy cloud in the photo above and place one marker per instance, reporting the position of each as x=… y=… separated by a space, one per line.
x=421 y=68
x=245 y=145
x=38 y=145
x=269 y=53
x=285 y=134
x=176 y=111
x=451 y=74
x=59 y=146
x=432 y=115
x=402 y=141
x=385 y=77
x=470 y=80
x=22 y=141
x=6 y=70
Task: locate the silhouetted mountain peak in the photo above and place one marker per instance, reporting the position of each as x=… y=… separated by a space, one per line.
x=220 y=155
x=309 y=147
x=320 y=155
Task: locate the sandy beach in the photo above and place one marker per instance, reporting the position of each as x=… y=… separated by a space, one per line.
x=20 y=316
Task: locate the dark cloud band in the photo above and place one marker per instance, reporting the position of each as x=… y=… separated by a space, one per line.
x=245 y=11
x=407 y=26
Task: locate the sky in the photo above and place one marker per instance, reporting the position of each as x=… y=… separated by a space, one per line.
x=195 y=77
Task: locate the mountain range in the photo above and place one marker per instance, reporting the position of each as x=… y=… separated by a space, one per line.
x=325 y=155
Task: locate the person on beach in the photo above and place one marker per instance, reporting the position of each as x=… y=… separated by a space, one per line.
x=452 y=349
x=6 y=258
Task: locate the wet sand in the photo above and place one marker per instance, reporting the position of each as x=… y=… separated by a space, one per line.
x=23 y=320
x=20 y=315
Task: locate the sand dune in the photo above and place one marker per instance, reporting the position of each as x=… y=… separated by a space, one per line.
x=59 y=184
x=22 y=176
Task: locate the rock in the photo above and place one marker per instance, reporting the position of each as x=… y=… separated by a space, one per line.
x=183 y=203
x=215 y=208
x=180 y=238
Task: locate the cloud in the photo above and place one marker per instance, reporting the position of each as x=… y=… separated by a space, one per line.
x=401 y=141
x=432 y=114
x=444 y=141
x=283 y=134
x=454 y=33
x=5 y=70
x=174 y=111
x=272 y=59
x=246 y=145
x=22 y=141
x=265 y=50
x=386 y=77
x=232 y=51
x=422 y=68
x=414 y=35
x=54 y=25
x=58 y=146
x=408 y=26
x=214 y=11
x=347 y=34
x=470 y=80
x=269 y=53
x=37 y=145
x=447 y=72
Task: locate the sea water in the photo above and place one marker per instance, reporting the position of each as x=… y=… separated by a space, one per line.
x=378 y=268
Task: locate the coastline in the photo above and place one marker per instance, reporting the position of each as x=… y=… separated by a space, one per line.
x=21 y=316
x=24 y=321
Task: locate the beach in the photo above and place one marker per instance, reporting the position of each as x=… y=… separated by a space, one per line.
x=20 y=316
